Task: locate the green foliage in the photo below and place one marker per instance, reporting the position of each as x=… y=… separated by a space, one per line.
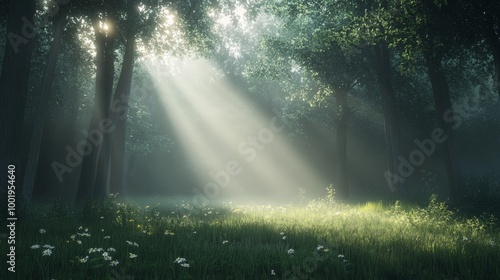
x=257 y=241
x=373 y=207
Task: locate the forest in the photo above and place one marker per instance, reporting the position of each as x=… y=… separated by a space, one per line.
x=250 y=139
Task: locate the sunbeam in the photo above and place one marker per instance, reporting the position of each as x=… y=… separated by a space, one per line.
x=218 y=126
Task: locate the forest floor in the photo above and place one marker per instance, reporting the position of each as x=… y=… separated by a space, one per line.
x=320 y=239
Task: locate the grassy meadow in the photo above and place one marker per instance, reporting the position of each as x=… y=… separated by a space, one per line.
x=319 y=239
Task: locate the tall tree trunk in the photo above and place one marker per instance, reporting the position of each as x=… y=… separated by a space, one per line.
x=446 y=121
x=120 y=112
x=494 y=43
x=383 y=71
x=342 y=115
x=102 y=171
x=104 y=89
x=41 y=113
x=14 y=84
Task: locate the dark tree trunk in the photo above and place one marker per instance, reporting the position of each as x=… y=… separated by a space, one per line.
x=446 y=121
x=391 y=123
x=104 y=89
x=102 y=170
x=342 y=190
x=14 y=84
x=41 y=113
x=120 y=112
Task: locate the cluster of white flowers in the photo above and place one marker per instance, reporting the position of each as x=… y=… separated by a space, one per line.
x=132 y=243
x=93 y=250
x=106 y=256
x=291 y=251
x=182 y=262
x=47 y=251
x=42 y=231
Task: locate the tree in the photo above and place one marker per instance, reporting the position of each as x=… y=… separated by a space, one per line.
x=193 y=17
x=434 y=34
x=104 y=29
x=370 y=31
x=42 y=110
x=121 y=99
x=322 y=56
x=14 y=81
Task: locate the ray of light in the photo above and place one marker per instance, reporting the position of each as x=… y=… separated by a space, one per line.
x=215 y=123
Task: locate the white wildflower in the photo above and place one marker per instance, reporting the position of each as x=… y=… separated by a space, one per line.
x=47 y=252
x=106 y=256
x=180 y=260
x=291 y=251
x=36 y=246
x=42 y=231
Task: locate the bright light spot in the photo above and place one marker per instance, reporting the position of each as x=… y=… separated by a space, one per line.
x=240 y=11
x=224 y=20
x=142 y=8
x=103 y=26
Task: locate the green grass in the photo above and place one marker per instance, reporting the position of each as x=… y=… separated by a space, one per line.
x=226 y=241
